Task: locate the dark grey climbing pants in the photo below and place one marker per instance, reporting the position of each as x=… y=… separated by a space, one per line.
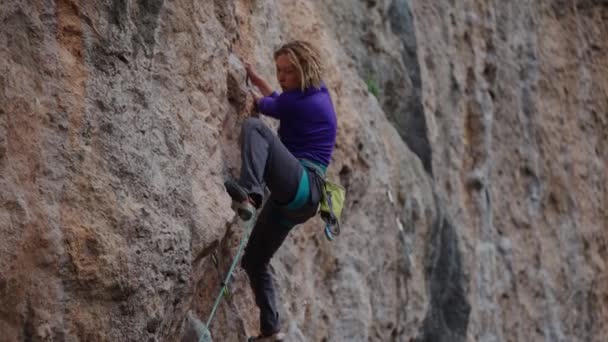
x=266 y=161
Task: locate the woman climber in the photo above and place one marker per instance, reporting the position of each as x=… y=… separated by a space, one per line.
x=291 y=165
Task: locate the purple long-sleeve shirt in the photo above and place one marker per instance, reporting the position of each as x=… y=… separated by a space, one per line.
x=307 y=122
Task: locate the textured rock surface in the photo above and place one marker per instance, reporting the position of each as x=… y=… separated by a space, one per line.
x=380 y=38
x=119 y=121
x=516 y=99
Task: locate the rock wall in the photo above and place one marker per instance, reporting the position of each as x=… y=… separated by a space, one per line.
x=119 y=121
x=516 y=101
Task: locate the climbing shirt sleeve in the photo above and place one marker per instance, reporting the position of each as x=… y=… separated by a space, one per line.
x=268 y=105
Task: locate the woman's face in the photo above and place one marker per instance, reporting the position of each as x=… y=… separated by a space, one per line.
x=287 y=74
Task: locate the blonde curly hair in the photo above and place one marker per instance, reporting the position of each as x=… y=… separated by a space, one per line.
x=307 y=60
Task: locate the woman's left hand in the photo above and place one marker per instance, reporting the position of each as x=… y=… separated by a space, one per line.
x=257 y=80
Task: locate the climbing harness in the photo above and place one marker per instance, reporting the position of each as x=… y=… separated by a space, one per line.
x=332 y=200
x=205 y=334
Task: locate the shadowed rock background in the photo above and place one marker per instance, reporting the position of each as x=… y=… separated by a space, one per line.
x=486 y=140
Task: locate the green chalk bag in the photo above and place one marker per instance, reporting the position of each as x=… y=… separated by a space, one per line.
x=332 y=204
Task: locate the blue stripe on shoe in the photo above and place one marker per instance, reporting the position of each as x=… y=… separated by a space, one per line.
x=302 y=194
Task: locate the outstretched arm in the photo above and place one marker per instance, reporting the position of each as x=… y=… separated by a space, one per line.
x=258 y=81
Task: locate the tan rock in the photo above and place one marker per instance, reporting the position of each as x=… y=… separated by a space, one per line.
x=119 y=122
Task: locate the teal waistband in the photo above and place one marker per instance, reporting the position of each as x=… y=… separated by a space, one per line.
x=309 y=163
x=304 y=187
x=302 y=194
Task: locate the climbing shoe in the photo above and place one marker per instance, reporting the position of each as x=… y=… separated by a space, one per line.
x=278 y=337
x=241 y=202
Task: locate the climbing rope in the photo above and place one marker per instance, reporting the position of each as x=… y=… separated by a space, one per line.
x=206 y=336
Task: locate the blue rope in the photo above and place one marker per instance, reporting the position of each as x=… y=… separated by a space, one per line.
x=232 y=266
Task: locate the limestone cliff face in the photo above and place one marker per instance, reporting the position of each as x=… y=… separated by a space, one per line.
x=487 y=144
x=516 y=101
